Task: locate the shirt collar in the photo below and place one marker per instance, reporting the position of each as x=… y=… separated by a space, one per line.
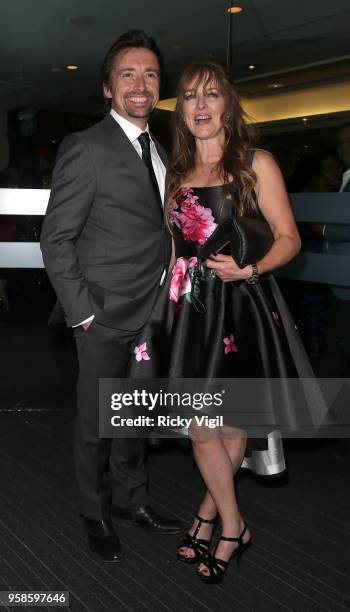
x=131 y=130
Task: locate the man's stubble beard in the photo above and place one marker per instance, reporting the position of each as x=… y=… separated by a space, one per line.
x=142 y=114
x=135 y=114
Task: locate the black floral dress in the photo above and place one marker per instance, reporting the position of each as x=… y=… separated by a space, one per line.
x=202 y=327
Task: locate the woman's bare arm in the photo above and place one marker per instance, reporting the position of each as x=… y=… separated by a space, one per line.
x=275 y=206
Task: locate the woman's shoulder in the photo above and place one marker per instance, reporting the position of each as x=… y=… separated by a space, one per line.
x=263 y=161
x=259 y=155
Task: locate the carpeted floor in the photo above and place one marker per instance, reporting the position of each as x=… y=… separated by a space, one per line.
x=299 y=560
x=300 y=557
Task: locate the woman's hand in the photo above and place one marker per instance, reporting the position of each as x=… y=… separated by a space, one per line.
x=226 y=268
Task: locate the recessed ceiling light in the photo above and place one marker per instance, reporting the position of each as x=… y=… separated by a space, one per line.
x=234 y=9
x=72 y=67
x=275 y=85
x=56 y=69
x=251 y=67
x=306 y=146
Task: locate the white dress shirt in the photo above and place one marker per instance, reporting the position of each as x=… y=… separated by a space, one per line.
x=132 y=132
x=345 y=179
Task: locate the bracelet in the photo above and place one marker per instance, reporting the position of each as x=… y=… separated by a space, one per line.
x=254 y=278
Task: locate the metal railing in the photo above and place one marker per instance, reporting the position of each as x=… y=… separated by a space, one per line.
x=309 y=265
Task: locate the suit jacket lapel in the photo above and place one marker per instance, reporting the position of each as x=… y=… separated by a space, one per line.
x=131 y=159
x=164 y=157
x=161 y=152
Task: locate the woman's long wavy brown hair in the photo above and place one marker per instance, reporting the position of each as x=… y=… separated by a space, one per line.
x=239 y=137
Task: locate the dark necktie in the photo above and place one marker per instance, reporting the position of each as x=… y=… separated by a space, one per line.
x=146 y=157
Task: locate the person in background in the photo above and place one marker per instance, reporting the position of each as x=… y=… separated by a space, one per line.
x=328 y=175
x=314 y=306
x=331 y=172
x=336 y=237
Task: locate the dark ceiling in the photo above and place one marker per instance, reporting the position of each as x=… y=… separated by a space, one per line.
x=290 y=41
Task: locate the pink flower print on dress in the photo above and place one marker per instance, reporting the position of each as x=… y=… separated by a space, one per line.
x=195 y=221
x=276 y=318
x=189 y=198
x=181 y=282
x=174 y=212
x=141 y=352
x=230 y=345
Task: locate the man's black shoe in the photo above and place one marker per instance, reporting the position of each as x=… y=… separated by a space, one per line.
x=146 y=517
x=103 y=540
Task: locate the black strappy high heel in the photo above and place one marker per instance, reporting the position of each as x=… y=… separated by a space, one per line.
x=199 y=546
x=217 y=567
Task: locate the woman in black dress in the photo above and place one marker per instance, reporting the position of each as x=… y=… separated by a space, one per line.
x=243 y=328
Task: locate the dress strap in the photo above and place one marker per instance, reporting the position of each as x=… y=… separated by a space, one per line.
x=249 y=160
x=249 y=157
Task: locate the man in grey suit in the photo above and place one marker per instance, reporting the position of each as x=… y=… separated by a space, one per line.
x=337 y=241
x=106 y=250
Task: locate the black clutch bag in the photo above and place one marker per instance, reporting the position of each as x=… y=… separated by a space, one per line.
x=246 y=239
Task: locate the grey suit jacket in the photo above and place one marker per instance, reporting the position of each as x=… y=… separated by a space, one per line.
x=104 y=241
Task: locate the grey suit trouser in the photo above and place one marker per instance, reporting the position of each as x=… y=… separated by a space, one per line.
x=108 y=471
